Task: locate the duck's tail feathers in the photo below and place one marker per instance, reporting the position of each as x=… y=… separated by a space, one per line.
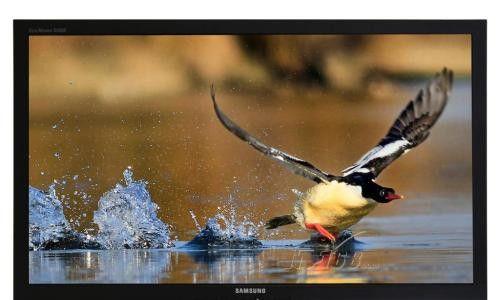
x=280 y=221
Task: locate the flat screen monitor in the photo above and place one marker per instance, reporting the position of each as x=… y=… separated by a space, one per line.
x=250 y=159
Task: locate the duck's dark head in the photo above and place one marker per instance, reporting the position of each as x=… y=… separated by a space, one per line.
x=372 y=190
x=386 y=195
x=379 y=193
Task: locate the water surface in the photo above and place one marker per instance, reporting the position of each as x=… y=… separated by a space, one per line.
x=413 y=250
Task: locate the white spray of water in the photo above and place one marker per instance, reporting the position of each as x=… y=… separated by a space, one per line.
x=193 y=216
x=127 y=217
x=227 y=227
x=46 y=218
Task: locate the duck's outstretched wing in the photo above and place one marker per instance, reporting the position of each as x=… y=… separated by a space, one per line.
x=296 y=165
x=410 y=129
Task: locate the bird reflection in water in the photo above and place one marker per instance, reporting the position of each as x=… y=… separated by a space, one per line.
x=333 y=266
x=339 y=263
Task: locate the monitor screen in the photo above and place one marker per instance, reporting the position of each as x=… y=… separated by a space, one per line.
x=250 y=159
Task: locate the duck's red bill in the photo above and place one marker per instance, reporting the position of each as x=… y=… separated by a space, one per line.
x=394 y=197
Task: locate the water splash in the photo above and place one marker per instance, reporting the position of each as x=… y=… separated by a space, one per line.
x=225 y=231
x=48 y=227
x=193 y=216
x=346 y=242
x=127 y=217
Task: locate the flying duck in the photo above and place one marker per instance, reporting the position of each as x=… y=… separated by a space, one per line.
x=337 y=202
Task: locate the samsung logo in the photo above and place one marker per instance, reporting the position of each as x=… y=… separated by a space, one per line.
x=249 y=290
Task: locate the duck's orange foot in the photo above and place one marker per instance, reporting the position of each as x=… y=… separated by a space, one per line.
x=321 y=230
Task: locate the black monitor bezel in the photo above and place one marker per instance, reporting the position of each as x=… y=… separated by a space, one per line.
x=25 y=28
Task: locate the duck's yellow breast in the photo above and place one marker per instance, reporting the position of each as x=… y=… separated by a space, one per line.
x=335 y=205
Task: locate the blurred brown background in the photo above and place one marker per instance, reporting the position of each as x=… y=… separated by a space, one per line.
x=101 y=103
